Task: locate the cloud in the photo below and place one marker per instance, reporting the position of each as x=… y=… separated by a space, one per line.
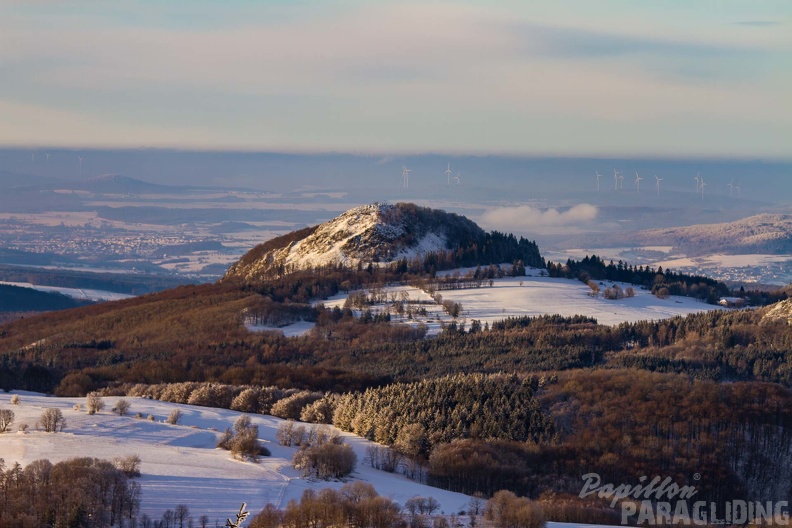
x=526 y=218
x=758 y=23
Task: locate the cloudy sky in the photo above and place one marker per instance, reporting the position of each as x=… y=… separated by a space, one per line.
x=560 y=77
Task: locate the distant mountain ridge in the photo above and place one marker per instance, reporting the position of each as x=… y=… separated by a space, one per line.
x=382 y=233
x=768 y=233
x=764 y=233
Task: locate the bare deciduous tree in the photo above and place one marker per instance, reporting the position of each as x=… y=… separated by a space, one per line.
x=6 y=419
x=52 y=421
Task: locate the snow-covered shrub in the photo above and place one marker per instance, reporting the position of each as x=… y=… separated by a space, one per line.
x=325 y=461
x=121 y=407
x=290 y=434
x=174 y=417
x=129 y=465
x=93 y=403
x=15 y=399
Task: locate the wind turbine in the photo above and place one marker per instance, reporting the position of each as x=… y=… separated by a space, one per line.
x=80 y=158
x=621 y=181
x=638 y=182
x=658 y=184
x=615 y=180
x=737 y=188
x=697 y=181
x=731 y=187
x=457 y=177
x=47 y=154
x=448 y=174
x=702 y=188
x=598 y=179
x=405 y=177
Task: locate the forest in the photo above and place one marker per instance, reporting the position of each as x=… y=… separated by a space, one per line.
x=531 y=403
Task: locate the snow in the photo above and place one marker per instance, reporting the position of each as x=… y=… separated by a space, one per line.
x=180 y=464
x=292 y=330
x=534 y=295
x=77 y=293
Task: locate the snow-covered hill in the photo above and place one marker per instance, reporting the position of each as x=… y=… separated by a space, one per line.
x=180 y=464
x=375 y=233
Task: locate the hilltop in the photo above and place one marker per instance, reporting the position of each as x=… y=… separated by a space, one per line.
x=381 y=234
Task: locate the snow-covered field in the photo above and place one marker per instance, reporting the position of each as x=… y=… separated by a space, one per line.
x=534 y=295
x=180 y=464
x=77 y=293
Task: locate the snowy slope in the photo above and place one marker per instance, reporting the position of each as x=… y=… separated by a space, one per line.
x=77 y=293
x=377 y=233
x=180 y=464
x=534 y=295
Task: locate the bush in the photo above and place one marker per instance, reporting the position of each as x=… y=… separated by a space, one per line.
x=324 y=455
x=52 y=421
x=243 y=441
x=506 y=510
x=15 y=399
x=93 y=403
x=150 y=417
x=289 y=434
x=174 y=417
x=128 y=465
x=121 y=407
x=22 y=427
x=325 y=461
x=6 y=419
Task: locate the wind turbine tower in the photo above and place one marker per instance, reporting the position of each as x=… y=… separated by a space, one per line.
x=637 y=182
x=405 y=177
x=658 y=184
x=457 y=177
x=697 y=181
x=731 y=187
x=80 y=159
x=615 y=180
x=702 y=188
x=598 y=179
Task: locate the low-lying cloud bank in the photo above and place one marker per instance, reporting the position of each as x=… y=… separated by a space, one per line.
x=526 y=218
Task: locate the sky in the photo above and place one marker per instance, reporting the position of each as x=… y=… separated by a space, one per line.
x=564 y=77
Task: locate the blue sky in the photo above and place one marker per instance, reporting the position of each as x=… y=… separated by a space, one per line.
x=568 y=77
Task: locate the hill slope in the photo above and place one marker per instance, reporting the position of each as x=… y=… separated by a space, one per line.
x=765 y=233
x=379 y=234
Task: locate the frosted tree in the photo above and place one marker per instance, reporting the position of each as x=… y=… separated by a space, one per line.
x=6 y=419
x=93 y=403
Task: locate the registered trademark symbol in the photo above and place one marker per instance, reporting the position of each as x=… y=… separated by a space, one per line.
x=697 y=476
